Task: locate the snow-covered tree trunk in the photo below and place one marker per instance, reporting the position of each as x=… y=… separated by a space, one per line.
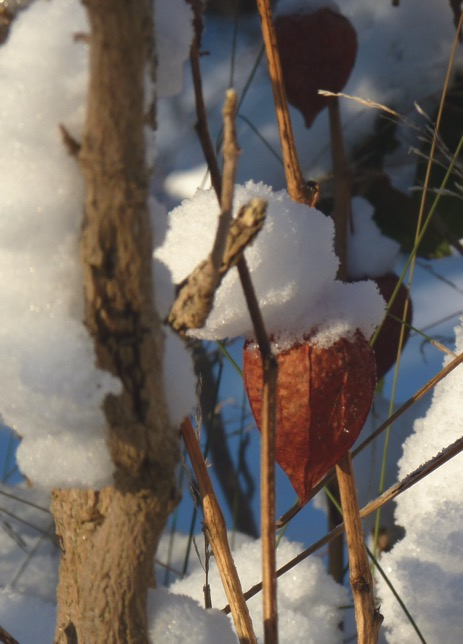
x=109 y=537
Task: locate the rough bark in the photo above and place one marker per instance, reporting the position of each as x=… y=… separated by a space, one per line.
x=109 y=538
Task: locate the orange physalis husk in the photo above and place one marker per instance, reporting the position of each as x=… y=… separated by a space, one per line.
x=323 y=398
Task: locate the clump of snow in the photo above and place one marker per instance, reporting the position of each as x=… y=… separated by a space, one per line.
x=51 y=393
x=173 y=21
x=50 y=390
x=369 y=252
x=293 y=268
x=308 y=599
x=426 y=567
x=177 y=619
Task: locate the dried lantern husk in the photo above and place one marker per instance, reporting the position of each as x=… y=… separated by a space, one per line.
x=323 y=398
x=318 y=51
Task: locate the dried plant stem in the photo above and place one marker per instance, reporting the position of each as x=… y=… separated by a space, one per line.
x=411 y=401
x=268 y=446
x=230 y=158
x=342 y=187
x=270 y=372
x=6 y=638
x=270 y=368
x=202 y=125
x=409 y=481
x=294 y=178
x=367 y=617
x=417 y=396
x=216 y=532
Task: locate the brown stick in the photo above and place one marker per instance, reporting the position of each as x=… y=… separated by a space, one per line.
x=270 y=377
x=297 y=188
x=368 y=619
x=196 y=294
x=413 y=399
x=202 y=125
x=409 y=481
x=216 y=531
x=342 y=187
x=6 y=638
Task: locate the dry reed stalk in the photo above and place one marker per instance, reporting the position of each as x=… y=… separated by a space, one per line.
x=298 y=189
x=367 y=617
x=216 y=532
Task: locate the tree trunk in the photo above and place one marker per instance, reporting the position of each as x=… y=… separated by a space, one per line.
x=109 y=537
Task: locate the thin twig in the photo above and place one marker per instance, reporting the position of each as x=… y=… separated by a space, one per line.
x=230 y=152
x=202 y=125
x=294 y=177
x=411 y=401
x=6 y=638
x=268 y=429
x=196 y=294
x=268 y=448
x=367 y=617
x=216 y=531
x=409 y=481
x=342 y=187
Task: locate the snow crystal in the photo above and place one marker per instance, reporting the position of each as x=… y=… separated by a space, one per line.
x=50 y=390
x=49 y=384
x=293 y=268
x=370 y=253
x=426 y=568
x=175 y=619
x=308 y=599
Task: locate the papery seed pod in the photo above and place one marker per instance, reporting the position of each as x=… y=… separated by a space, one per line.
x=317 y=51
x=323 y=398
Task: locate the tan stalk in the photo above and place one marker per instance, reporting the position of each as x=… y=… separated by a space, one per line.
x=270 y=377
x=409 y=481
x=216 y=532
x=367 y=617
x=297 y=187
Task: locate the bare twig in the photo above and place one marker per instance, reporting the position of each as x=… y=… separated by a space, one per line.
x=202 y=126
x=417 y=396
x=342 y=187
x=216 y=531
x=6 y=638
x=238 y=499
x=268 y=429
x=411 y=401
x=409 y=481
x=196 y=294
x=368 y=619
x=297 y=188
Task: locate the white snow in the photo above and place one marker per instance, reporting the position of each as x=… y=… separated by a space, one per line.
x=426 y=568
x=308 y=599
x=50 y=390
x=369 y=253
x=177 y=619
x=293 y=268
